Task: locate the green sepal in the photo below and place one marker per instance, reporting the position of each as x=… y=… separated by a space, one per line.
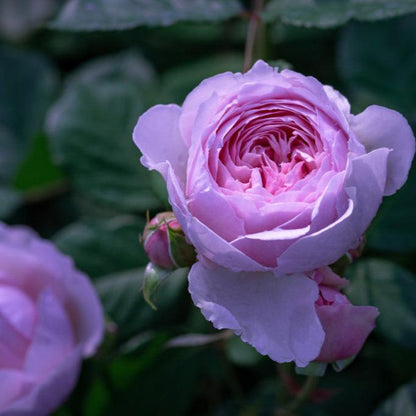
x=341 y=364
x=181 y=252
x=312 y=369
x=153 y=277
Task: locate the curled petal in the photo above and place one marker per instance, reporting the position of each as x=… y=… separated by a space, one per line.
x=377 y=127
x=274 y=314
x=157 y=136
x=330 y=243
x=222 y=84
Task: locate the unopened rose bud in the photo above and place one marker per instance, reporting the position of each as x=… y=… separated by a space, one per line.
x=166 y=244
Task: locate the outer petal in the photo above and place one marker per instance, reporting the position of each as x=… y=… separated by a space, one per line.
x=85 y=311
x=274 y=314
x=339 y=100
x=207 y=242
x=329 y=244
x=227 y=221
x=45 y=397
x=221 y=84
x=12 y=345
x=157 y=136
x=13 y=384
x=346 y=329
x=378 y=127
x=53 y=339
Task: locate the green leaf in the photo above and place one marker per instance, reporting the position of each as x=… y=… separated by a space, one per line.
x=401 y=403
x=123 y=301
x=19 y=18
x=38 y=170
x=10 y=200
x=241 y=353
x=181 y=80
x=126 y=14
x=378 y=65
x=198 y=340
x=10 y=154
x=27 y=88
x=170 y=385
x=392 y=289
x=159 y=188
x=101 y=247
x=394 y=228
x=331 y=13
x=91 y=131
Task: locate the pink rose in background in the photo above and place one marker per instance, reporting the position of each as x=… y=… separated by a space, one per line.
x=269 y=174
x=50 y=318
x=346 y=326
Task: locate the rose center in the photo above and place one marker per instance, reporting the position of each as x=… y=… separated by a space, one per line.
x=273 y=150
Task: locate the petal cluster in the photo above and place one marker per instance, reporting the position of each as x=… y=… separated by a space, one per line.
x=50 y=318
x=271 y=177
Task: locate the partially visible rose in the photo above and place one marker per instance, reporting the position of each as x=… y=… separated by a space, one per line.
x=50 y=318
x=346 y=326
x=272 y=177
x=165 y=243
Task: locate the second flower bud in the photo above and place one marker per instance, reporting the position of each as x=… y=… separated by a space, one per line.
x=166 y=244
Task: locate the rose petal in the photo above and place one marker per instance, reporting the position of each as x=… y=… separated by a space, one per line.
x=222 y=84
x=53 y=339
x=346 y=329
x=329 y=244
x=377 y=127
x=207 y=242
x=339 y=100
x=223 y=217
x=157 y=136
x=41 y=265
x=45 y=397
x=274 y=314
x=13 y=345
x=85 y=311
x=13 y=384
x=18 y=309
x=331 y=279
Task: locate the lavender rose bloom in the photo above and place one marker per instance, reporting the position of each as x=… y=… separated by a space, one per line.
x=50 y=318
x=269 y=174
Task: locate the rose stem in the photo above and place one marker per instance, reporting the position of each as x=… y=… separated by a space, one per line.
x=306 y=391
x=252 y=33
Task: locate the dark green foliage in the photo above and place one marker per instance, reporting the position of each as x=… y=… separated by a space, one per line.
x=330 y=13
x=125 y=14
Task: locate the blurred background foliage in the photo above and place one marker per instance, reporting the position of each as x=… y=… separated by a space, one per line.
x=74 y=77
